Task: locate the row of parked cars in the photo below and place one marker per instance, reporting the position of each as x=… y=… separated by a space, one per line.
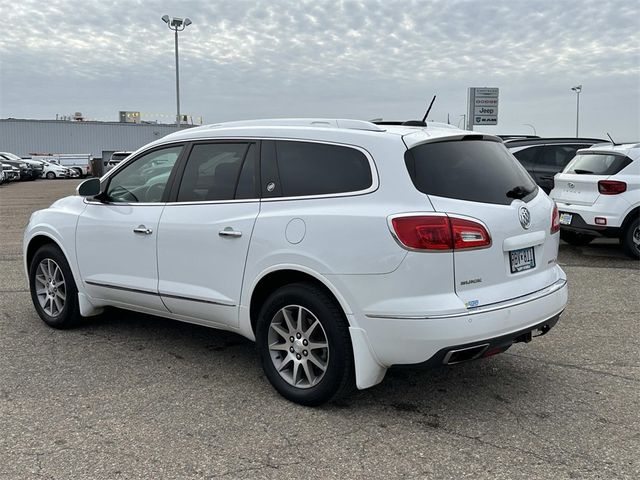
x=594 y=182
x=16 y=168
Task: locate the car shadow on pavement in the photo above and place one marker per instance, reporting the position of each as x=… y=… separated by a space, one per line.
x=488 y=382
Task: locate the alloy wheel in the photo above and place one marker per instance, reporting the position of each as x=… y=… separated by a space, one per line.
x=50 y=287
x=298 y=346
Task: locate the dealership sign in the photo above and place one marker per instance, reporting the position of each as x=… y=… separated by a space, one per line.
x=482 y=106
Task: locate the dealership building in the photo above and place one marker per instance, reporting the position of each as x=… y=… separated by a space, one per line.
x=100 y=139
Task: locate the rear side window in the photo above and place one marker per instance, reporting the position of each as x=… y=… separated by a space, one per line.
x=317 y=169
x=597 y=164
x=557 y=156
x=213 y=171
x=474 y=170
x=527 y=156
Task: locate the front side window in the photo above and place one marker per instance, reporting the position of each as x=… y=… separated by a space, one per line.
x=219 y=171
x=318 y=169
x=145 y=179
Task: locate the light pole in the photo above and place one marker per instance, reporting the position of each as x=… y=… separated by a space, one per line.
x=177 y=25
x=577 y=89
x=534 y=128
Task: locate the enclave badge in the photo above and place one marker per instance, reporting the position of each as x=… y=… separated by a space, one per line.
x=525 y=217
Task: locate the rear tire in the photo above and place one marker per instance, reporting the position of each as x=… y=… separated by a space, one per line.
x=304 y=345
x=630 y=239
x=53 y=289
x=576 y=239
x=79 y=170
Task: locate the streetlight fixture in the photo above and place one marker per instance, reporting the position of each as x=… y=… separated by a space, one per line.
x=177 y=25
x=577 y=89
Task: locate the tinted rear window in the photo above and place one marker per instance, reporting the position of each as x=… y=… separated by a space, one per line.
x=597 y=164
x=474 y=170
x=319 y=169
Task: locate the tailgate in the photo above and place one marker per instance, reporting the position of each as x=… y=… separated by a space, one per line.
x=576 y=189
x=518 y=262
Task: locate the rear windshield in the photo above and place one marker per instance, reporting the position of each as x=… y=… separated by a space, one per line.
x=474 y=170
x=597 y=164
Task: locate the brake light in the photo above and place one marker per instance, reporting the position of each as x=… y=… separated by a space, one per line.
x=555 y=220
x=611 y=187
x=438 y=232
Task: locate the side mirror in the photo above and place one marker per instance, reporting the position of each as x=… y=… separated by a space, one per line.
x=89 y=188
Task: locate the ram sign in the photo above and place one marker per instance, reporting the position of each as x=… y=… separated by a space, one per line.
x=482 y=106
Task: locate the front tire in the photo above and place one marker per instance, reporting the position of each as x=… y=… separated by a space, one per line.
x=304 y=344
x=576 y=239
x=51 y=175
x=630 y=239
x=53 y=289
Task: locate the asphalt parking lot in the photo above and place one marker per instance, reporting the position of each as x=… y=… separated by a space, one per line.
x=133 y=396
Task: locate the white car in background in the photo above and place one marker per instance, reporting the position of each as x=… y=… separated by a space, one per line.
x=53 y=170
x=598 y=195
x=340 y=246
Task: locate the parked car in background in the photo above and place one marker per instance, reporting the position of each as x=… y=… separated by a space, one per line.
x=25 y=170
x=598 y=195
x=53 y=170
x=544 y=157
x=342 y=247
x=11 y=173
x=36 y=167
x=1 y=176
x=116 y=158
x=80 y=163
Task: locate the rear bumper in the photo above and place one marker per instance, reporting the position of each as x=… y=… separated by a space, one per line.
x=610 y=207
x=487 y=347
x=402 y=341
x=578 y=225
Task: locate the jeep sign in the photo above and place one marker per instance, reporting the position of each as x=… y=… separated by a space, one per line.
x=482 y=106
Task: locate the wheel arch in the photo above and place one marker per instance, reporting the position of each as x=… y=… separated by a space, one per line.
x=271 y=280
x=35 y=243
x=632 y=215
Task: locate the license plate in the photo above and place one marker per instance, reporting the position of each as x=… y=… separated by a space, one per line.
x=565 y=218
x=522 y=259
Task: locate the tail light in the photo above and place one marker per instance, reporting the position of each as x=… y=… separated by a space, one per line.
x=611 y=187
x=555 y=220
x=438 y=232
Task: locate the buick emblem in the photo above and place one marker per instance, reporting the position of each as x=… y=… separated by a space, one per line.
x=525 y=217
x=571 y=185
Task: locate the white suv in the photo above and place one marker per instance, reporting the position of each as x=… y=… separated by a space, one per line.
x=342 y=247
x=598 y=194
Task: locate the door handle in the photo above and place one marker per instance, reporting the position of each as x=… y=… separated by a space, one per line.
x=229 y=232
x=143 y=229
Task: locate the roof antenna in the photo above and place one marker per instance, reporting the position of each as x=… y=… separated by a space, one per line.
x=424 y=119
x=612 y=142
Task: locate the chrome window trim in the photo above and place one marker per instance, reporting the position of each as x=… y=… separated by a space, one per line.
x=491 y=307
x=375 y=179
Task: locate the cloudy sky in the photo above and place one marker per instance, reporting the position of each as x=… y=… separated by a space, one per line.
x=363 y=59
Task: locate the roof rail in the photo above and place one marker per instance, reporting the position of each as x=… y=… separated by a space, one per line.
x=303 y=122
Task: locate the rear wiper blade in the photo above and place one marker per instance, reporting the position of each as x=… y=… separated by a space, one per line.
x=582 y=172
x=518 y=192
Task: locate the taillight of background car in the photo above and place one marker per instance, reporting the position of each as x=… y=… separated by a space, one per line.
x=611 y=187
x=555 y=220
